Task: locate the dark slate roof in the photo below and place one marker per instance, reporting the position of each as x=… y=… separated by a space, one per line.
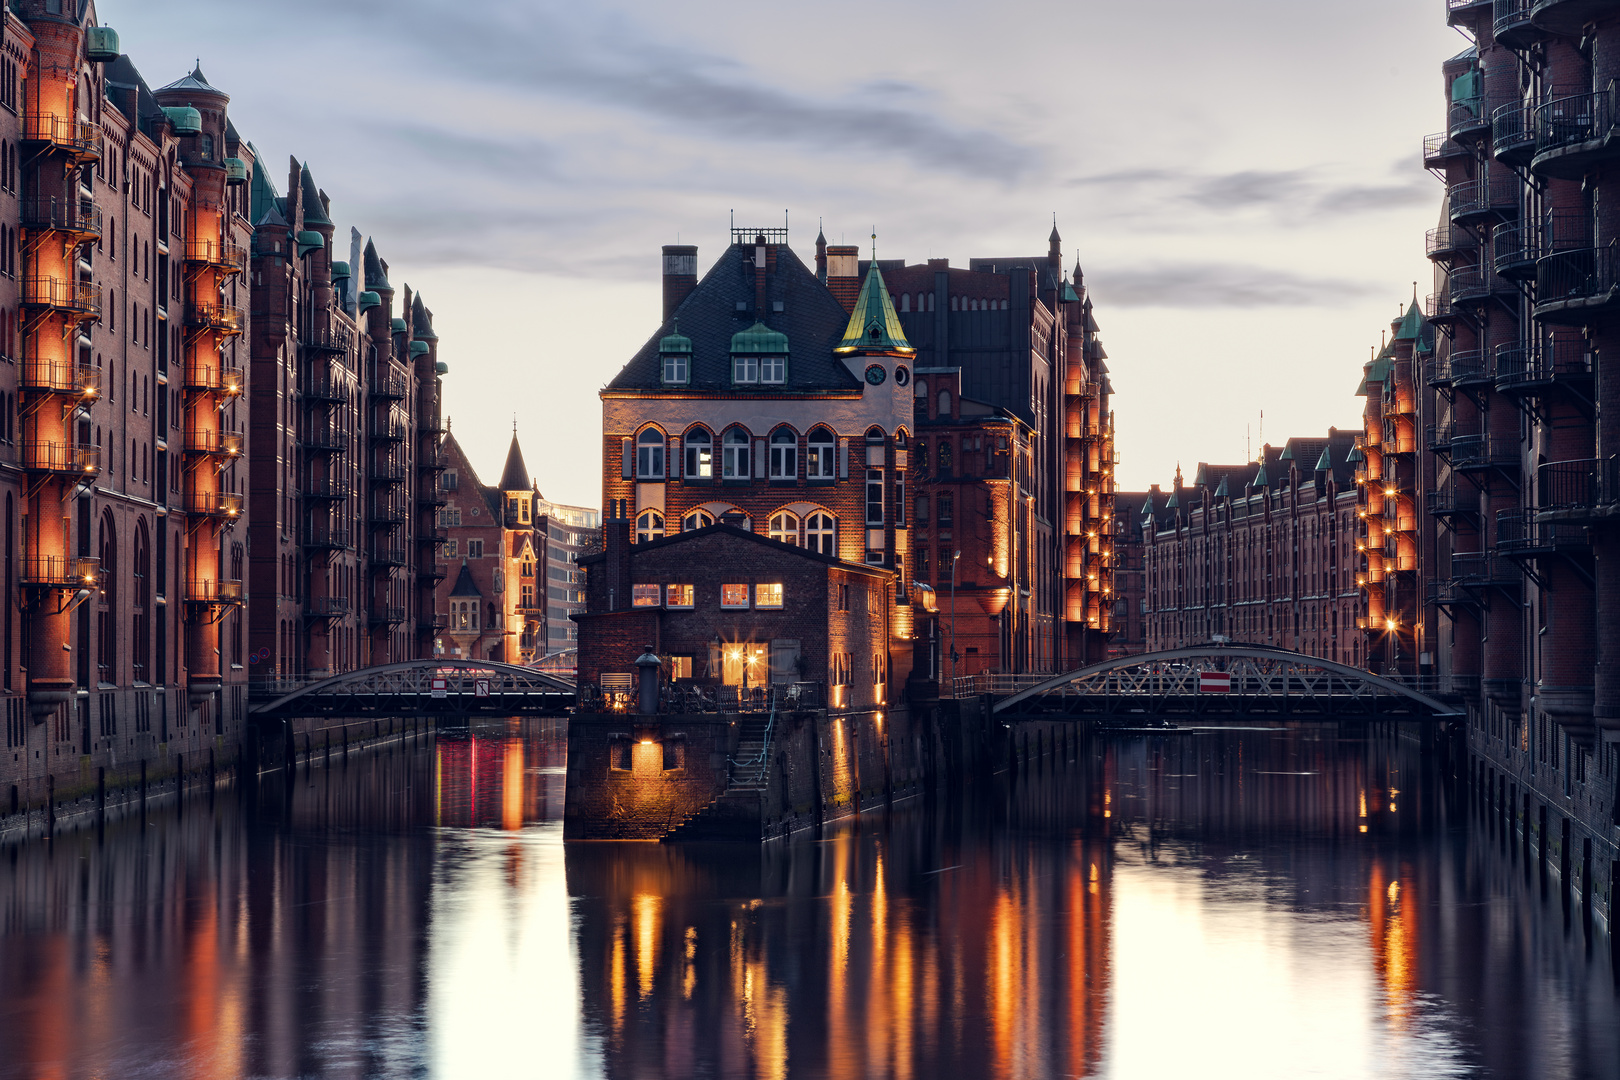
x=465 y=586
x=376 y=278
x=778 y=546
x=515 y=477
x=422 y=321
x=314 y=209
x=196 y=81
x=811 y=318
x=268 y=207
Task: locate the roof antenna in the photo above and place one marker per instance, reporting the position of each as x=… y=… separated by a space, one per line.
x=874 y=245
x=514 y=425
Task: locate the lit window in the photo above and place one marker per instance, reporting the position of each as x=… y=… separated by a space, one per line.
x=773 y=369
x=768 y=596
x=785 y=528
x=644 y=595
x=697 y=519
x=874 y=496
x=650 y=455
x=649 y=526
x=699 y=455
x=784 y=455
x=678 y=596
x=734 y=596
x=745 y=369
x=819 y=459
x=820 y=534
x=734 y=456
x=675 y=369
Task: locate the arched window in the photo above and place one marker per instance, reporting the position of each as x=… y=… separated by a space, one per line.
x=472 y=614
x=905 y=301
x=734 y=455
x=107 y=628
x=699 y=455
x=944 y=404
x=785 y=528
x=141 y=606
x=954 y=303
x=649 y=526
x=650 y=455
x=697 y=519
x=821 y=454
x=784 y=454
x=930 y=301
x=821 y=533
x=920 y=388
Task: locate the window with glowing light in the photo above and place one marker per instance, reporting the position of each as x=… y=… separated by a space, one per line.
x=768 y=596
x=649 y=526
x=644 y=595
x=699 y=455
x=697 y=519
x=819 y=461
x=734 y=596
x=679 y=596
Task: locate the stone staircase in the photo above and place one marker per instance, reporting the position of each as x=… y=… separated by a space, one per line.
x=737 y=814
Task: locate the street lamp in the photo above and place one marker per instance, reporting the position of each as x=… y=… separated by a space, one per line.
x=954 y=556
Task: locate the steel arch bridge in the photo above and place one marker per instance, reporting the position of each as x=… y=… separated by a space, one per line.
x=437 y=687
x=1248 y=680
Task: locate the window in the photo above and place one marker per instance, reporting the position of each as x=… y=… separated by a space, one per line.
x=452 y=480
x=475 y=549
x=773 y=369
x=734 y=455
x=768 y=596
x=649 y=526
x=734 y=596
x=675 y=369
x=679 y=596
x=874 y=496
x=945 y=511
x=450 y=547
x=784 y=455
x=820 y=534
x=680 y=667
x=944 y=459
x=745 y=369
x=527 y=600
x=697 y=519
x=922 y=510
x=526 y=567
x=650 y=455
x=785 y=528
x=644 y=595
x=819 y=461
x=699 y=455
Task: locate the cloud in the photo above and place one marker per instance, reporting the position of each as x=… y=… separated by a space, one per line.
x=1287 y=193
x=1218 y=285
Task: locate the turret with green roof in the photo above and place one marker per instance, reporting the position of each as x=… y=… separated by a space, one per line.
x=874 y=327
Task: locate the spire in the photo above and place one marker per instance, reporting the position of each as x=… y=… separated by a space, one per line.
x=515 y=477
x=873 y=325
x=376 y=277
x=314 y=209
x=421 y=321
x=1325 y=462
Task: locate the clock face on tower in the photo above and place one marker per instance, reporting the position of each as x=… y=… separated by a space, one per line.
x=875 y=374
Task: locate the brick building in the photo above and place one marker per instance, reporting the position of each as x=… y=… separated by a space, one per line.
x=1129 y=634
x=1263 y=553
x=1014 y=462
x=136 y=236
x=1519 y=407
x=568 y=532
x=493 y=599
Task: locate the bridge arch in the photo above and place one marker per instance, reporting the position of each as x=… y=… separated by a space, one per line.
x=1258 y=672
x=408 y=686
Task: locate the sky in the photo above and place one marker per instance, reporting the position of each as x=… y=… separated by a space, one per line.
x=1241 y=182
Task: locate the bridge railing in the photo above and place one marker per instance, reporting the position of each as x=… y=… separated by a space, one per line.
x=999 y=684
x=691 y=698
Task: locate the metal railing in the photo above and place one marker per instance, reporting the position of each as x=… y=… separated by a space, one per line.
x=61 y=458
x=225 y=318
x=386 y=616
x=324 y=386
x=211 y=377
x=390 y=473
x=1481 y=568
x=437 y=571
x=1578 y=484
x=1468 y=365
x=61 y=377
x=1447 y=239
x=1438 y=147
x=226 y=591
x=387 y=513
x=391 y=387
x=1570 y=121
x=1514 y=247
x=216 y=253
x=391 y=432
x=213 y=503
x=320 y=536
x=1562 y=358
x=81 y=137
x=383 y=555
x=59 y=571
x=1512 y=133
x=325 y=489
x=327 y=440
x=1468 y=117
x=992 y=682
x=1576 y=275
x=62 y=295
x=1518 y=531
x=326 y=339
x=73 y=215
x=227 y=443
x=1474 y=197
x=1483 y=451
x=326 y=607
x=1444 y=503
x=1438 y=307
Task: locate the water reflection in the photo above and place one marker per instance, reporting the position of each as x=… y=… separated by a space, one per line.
x=1259 y=902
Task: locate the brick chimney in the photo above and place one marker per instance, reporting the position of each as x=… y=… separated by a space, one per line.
x=844 y=274
x=680 y=275
x=616 y=545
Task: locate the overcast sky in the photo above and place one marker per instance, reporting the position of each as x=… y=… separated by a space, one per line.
x=1241 y=181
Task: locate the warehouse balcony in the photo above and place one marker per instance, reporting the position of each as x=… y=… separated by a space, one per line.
x=1535 y=370
x=72 y=298
x=1573 y=287
x=1514 y=250
x=80 y=139
x=226 y=444
x=1576 y=134
x=78 y=217
x=66 y=459
x=61 y=377
x=1511 y=25
x=1474 y=202
x=231 y=258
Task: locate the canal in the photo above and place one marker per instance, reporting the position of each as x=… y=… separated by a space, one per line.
x=1255 y=901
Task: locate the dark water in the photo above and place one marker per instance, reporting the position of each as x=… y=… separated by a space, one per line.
x=1264 y=902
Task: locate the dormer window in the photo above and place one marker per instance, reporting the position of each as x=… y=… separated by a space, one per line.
x=773 y=369
x=675 y=370
x=745 y=369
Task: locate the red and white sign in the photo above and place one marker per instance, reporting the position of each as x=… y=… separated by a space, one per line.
x=441 y=688
x=480 y=688
x=1214 y=682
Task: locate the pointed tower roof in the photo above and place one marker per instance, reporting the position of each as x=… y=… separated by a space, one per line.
x=375 y=277
x=1411 y=324
x=314 y=209
x=195 y=82
x=1261 y=480
x=1223 y=492
x=515 y=477
x=266 y=205
x=1325 y=462
x=421 y=321
x=465 y=585
x=873 y=324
